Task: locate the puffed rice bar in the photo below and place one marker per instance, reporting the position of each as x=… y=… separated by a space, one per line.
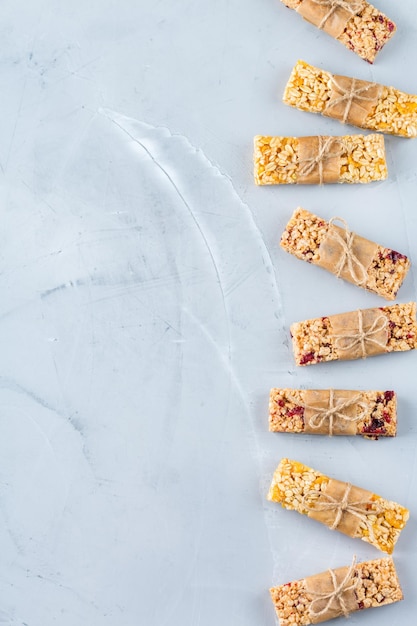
x=374 y=267
x=373 y=413
x=366 y=516
x=337 y=337
x=312 y=89
x=375 y=584
x=365 y=32
x=361 y=160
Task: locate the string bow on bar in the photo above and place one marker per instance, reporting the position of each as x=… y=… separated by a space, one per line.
x=350 y=6
x=349 y=340
x=321 y=501
x=354 y=93
x=335 y=411
x=337 y=596
x=356 y=268
x=324 y=153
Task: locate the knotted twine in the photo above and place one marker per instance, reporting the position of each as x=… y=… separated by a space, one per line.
x=331 y=16
x=313 y=153
x=333 y=412
x=360 y=338
x=323 y=502
x=358 y=98
x=357 y=271
x=339 y=600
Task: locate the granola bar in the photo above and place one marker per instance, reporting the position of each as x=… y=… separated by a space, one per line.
x=320 y=159
x=345 y=254
x=314 y=599
x=371 y=414
x=357 y=24
x=338 y=505
x=354 y=335
x=360 y=103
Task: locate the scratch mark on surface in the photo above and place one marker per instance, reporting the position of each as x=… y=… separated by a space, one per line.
x=191 y=212
x=11 y=385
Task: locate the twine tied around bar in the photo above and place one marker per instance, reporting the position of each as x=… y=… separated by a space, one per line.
x=350 y=7
x=352 y=95
x=336 y=595
x=357 y=270
x=320 y=501
x=361 y=337
x=324 y=153
x=335 y=411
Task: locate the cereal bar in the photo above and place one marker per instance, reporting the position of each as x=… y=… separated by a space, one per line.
x=320 y=159
x=354 y=335
x=338 y=505
x=337 y=592
x=349 y=100
x=371 y=414
x=345 y=254
x=357 y=24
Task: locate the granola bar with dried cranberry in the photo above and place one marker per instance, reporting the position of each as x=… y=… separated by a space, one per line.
x=373 y=583
x=371 y=414
x=356 y=334
x=355 y=259
x=365 y=30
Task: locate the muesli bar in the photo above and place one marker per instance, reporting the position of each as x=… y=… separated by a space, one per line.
x=337 y=592
x=338 y=505
x=319 y=159
x=361 y=103
x=354 y=335
x=371 y=414
x=345 y=254
x=355 y=23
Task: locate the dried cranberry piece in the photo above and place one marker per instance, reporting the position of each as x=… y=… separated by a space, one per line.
x=361 y=605
x=388 y=395
x=386 y=417
x=297 y=410
x=395 y=256
x=376 y=427
x=281 y=403
x=308 y=251
x=307 y=358
x=391 y=26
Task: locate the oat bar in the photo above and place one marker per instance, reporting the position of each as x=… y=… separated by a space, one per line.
x=314 y=599
x=338 y=505
x=345 y=254
x=371 y=414
x=349 y=100
x=355 y=23
x=320 y=159
x=354 y=335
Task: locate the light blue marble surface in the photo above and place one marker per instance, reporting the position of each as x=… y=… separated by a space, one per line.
x=145 y=311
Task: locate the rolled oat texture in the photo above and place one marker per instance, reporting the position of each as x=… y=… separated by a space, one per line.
x=345 y=254
x=355 y=23
x=341 y=591
x=367 y=105
x=338 y=505
x=319 y=159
